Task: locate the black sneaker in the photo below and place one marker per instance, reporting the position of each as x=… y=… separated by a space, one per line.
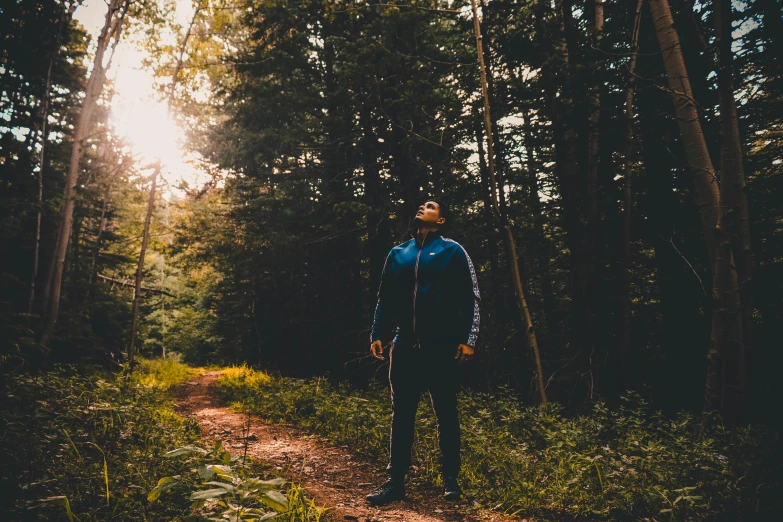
x=451 y=490
x=391 y=490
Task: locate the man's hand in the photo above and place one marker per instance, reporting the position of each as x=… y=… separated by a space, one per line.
x=376 y=348
x=464 y=353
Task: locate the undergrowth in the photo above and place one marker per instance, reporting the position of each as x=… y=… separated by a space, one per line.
x=94 y=447
x=630 y=463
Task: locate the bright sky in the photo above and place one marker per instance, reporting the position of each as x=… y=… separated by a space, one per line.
x=136 y=114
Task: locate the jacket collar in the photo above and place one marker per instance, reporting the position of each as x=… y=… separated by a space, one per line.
x=431 y=236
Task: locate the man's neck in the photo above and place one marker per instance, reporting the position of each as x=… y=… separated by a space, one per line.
x=423 y=232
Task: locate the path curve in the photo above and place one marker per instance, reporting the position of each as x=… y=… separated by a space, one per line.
x=333 y=475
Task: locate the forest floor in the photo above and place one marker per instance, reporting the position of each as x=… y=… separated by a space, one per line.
x=333 y=475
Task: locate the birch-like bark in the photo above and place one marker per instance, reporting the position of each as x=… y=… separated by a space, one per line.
x=726 y=335
x=514 y=261
x=707 y=194
x=94 y=87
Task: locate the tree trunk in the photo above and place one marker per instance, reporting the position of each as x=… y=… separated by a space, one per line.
x=498 y=315
x=541 y=241
x=377 y=222
x=713 y=201
x=707 y=193
x=558 y=86
x=151 y=199
x=736 y=230
x=514 y=261
x=140 y=266
x=593 y=165
x=625 y=341
x=93 y=89
x=501 y=165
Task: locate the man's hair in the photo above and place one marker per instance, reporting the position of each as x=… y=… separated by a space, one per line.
x=444 y=210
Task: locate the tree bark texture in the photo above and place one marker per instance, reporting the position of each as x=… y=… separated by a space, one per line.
x=514 y=261
x=140 y=266
x=734 y=231
x=723 y=383
x=93 y=89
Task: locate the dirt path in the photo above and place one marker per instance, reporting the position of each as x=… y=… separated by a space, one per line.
x=332 y=475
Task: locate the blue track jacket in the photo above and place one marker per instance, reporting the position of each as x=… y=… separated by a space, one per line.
x=429 y=294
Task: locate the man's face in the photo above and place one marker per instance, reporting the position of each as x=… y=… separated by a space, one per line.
x=429 y=215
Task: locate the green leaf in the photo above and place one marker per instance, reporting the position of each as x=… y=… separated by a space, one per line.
x=206 y=472
x=61 y=499
x=227 y=487
x=164 y=484
x=208 y=494
x=275 y=500
x=223 y=471
x=184 y=451
x=257 y=484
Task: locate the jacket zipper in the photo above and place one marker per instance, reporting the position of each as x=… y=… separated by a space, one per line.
x=416 y=285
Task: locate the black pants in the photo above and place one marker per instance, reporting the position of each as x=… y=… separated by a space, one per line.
x=413 y=370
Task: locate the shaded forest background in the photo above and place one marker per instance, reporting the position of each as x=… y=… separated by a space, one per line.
x=327 y=123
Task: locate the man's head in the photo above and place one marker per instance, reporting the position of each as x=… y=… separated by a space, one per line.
x=430 y=215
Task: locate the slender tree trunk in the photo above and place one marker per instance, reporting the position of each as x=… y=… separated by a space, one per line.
x=42 y=154
x=559 y=88
x=377 y=223
x=499 y=315
x=707 y=192
x=625 y=342
x=140 y=266
x=734 y=212
x=714 y=202
x=541 y=241
x=501 y=165
x=112 y=24
x=593 y=165
x=514 y=261
x=151 y=199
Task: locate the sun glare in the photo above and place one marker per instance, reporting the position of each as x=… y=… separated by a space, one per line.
x=139 y=116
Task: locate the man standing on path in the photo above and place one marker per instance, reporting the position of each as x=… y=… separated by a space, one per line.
x=429 y=296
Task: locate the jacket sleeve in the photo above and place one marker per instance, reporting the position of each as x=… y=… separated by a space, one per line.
x=468 y=298
x=384 y=320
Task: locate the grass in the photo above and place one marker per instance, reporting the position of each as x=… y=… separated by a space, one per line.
x=164 y=373
x=93 y=446
x=632 y=463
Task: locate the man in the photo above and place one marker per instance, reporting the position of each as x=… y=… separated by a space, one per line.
x=429 y=296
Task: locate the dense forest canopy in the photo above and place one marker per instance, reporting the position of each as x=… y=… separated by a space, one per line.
x=637 y=149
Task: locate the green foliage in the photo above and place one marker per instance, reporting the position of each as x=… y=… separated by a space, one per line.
x=87 y=446
x=222 y=491
x=627 y=463
x=93 y=447
x=164 y=373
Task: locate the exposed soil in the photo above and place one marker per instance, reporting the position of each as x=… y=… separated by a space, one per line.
x=333 y=475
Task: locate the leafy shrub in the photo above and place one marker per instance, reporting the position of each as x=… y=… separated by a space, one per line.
x=629 y=463
x=91 y=447
x=227 y=492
